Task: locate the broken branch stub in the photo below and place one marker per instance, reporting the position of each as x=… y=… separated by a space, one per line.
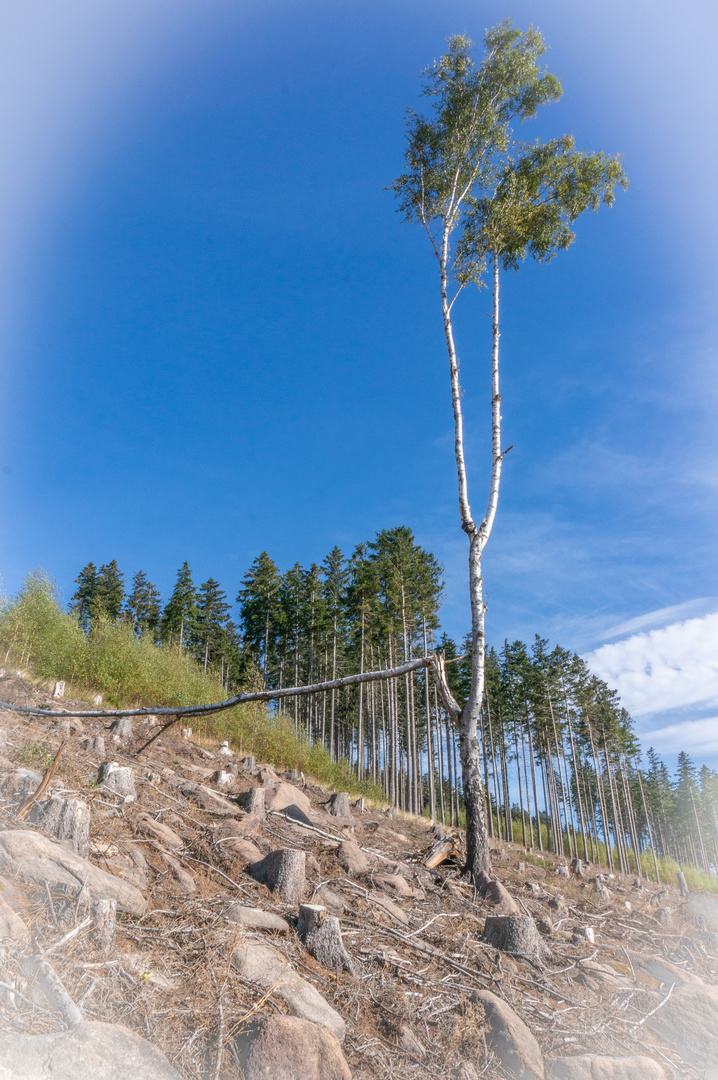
x=441 y=851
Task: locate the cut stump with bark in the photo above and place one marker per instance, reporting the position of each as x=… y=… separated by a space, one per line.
x=104 y=921
x=515 y=934
x=340 y=805
x=322 y=937
x=66 y=819
x=253 y=801
x=284 y=871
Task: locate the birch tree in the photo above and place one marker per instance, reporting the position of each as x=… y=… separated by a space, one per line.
x=485 y=203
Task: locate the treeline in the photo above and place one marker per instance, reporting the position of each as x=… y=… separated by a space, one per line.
x=562 y=768
x=561 y=760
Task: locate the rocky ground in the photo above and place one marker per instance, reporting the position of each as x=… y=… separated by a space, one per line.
x=182 y=912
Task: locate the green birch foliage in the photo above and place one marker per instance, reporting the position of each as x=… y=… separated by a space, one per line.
x=466 y=171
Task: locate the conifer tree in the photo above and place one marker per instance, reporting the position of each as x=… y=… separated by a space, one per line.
x=109 y=592
x=212 y=619
x=83 y=600
x=143 y=605
x=179 y=618
x=260 y=602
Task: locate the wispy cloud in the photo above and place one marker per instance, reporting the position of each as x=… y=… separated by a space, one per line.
x=696 y=737
x=653 y=620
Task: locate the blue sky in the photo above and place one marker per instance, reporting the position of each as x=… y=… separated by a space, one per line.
x=217 y=337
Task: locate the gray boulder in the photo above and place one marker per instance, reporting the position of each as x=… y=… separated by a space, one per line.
x=255 y=918
x=590 y=1067
x=509 y=1038
x=12 y=927
x=91 y=1051
x=38 y=860
x=287 y=1048
x=688 y=1023
x=266 y=967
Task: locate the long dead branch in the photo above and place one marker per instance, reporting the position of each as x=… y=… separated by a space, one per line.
x=238 y=699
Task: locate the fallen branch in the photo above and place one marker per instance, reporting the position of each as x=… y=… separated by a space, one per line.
x=29 y=803
x=239 y=699
x=41 y=974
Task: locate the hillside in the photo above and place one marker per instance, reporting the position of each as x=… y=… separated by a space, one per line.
x=209 y=972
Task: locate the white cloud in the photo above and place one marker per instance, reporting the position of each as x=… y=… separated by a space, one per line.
x=697 y=737
x=669 y=668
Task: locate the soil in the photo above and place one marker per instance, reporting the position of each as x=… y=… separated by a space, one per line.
x=409 y=1008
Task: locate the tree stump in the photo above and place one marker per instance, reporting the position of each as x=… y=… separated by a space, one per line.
x=121 y=729
x=322 y=937
x=292 y=776
x=186 y=732
x=249 y=763
x=284 y=871
x=222 y=779
x=104 y=921
x=117 y=779
x=562 y=871
x=67 y=728
x=253 y=801
x=339 y=804
x=95 y=744
x=682 y=884
x=663 y=916
x=67 y=819
x=515 y=934
x=558 y=906
x=577 y=867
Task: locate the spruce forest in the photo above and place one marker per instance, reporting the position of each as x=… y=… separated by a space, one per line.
x=562 y=765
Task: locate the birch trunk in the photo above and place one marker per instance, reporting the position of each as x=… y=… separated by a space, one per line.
x=477 y=843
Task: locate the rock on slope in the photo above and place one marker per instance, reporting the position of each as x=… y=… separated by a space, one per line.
x=208 y=965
